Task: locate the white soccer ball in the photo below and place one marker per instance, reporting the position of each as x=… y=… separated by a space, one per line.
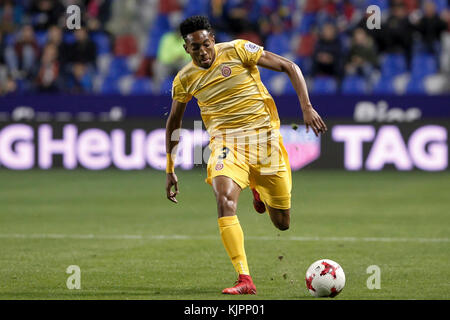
x=325 y=278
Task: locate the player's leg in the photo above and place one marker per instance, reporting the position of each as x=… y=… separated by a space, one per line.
x=228 y=177
x=274 y=193
x=227 y=194
x=272 y=189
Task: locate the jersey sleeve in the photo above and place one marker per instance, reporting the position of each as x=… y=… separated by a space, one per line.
x=178 y=92
x=248 y=52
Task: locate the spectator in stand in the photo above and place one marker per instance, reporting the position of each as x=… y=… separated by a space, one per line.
x=98 y=13
x=430 y=27
x=80 y=80
x=240 y=21
x=45 y=13
x=10 y=16
x=83 y=50
x=55 y=37
x=362 y=55
x=335 y=53
x=3 y=69
x=171 y=56
x=21 y=58
x=275 y=18
x=82 y=58
x=377 y=35
x=398 y=31
x=2 y=50
x=7 y=83
x=343 y=13
x=327 y=53
x=236 y=16
x=48 y=79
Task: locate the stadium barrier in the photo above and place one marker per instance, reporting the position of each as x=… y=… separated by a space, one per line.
x=366 y=133
x=361 y=108
x=134 y=145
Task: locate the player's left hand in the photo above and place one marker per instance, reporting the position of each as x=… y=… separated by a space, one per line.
x=312 y=119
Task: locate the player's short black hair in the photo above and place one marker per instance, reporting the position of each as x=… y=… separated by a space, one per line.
x=193 y=24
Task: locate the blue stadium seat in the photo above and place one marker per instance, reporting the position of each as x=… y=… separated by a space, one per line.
x=141 y=86
x=41 y=38
x=279 y=43
x=9 y=39
x=87 y=82
x=393 y=64
x=160 y=26
x=280 y=84
x=23 y=85
x=415 y=86
x=110 y=85
x=166 y=86
x=441 y=5
x=223 y=37
x=383 y=4
x=196 y=7
x=102 y=42
x=361 y=4
x=306 y=23
x=345 y=41
x=384 y=86
x=423 y=65
x=118 y=67
x=69 y=37
x=289 y=88
x=324 y=85
x=305 y=64
x=266 y=75
x=354 y=85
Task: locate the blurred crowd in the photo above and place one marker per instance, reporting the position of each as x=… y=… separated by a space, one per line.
x=133 y=46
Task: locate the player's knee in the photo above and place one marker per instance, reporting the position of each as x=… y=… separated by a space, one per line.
x=283 y=226
x=280 y=218
x=226 y=204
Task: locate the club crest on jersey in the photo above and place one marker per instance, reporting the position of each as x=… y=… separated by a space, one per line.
x=251 y=47
x=226 y=71
x=219 y=166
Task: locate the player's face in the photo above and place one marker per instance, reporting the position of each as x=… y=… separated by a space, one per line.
x=200 y=45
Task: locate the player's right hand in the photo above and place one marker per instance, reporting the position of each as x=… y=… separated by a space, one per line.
x=172 y=181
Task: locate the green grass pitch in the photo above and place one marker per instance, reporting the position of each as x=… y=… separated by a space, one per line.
x=132 y=243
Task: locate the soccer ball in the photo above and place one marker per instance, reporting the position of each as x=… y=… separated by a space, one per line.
x=325 y=278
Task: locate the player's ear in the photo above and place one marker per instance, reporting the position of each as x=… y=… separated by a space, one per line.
x=185 y=47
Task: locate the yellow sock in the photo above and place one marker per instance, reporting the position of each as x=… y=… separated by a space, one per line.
x=233 y=241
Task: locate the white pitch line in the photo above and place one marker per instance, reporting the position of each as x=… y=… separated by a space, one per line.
x=188 y=237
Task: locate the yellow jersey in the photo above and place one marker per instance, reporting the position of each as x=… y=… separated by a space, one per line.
x=231 y=97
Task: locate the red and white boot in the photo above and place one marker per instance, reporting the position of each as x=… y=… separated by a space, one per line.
x=244 y=285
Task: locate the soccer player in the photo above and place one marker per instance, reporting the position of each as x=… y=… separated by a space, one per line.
x=235 y=105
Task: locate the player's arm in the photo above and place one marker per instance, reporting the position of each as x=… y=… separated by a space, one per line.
x=278 y=63
x=173 y=126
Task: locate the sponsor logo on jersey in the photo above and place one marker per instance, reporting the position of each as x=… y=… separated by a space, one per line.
x=251 y=47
